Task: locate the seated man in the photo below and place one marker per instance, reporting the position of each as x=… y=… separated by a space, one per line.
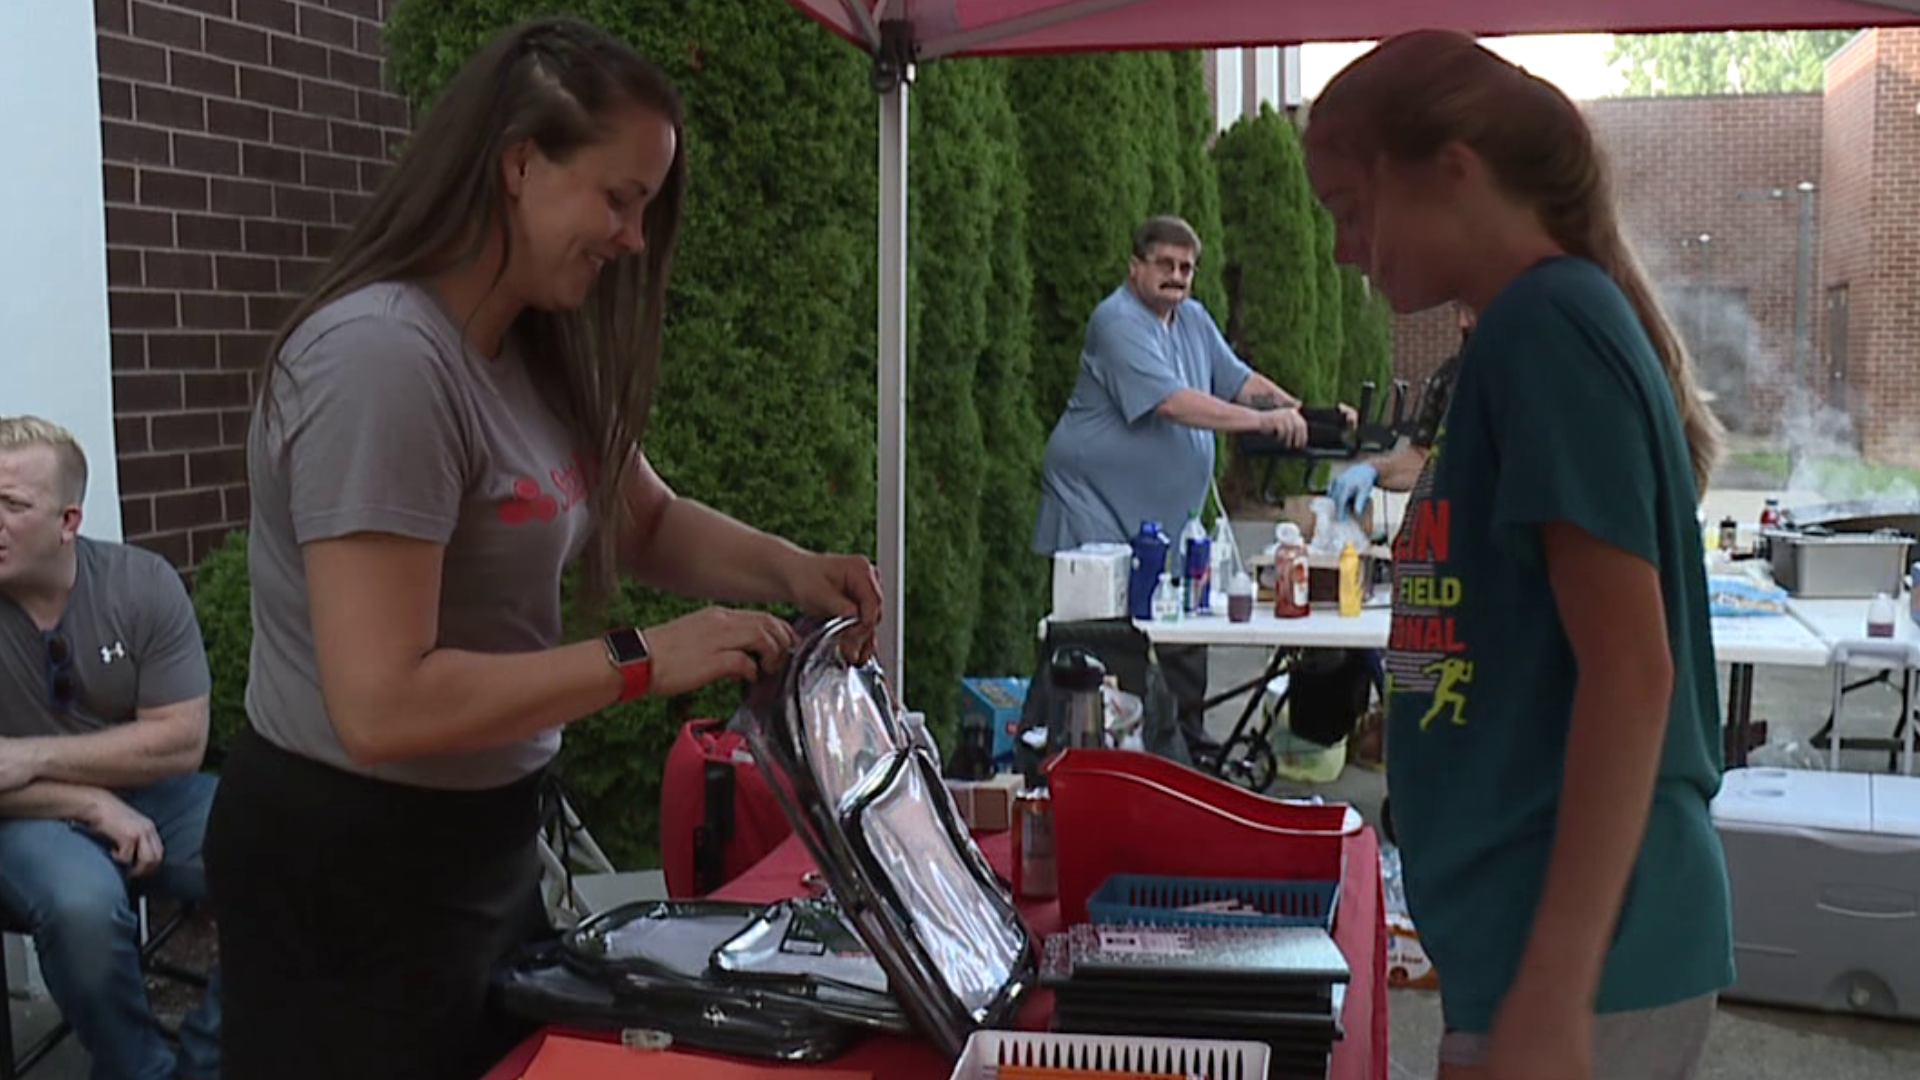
x=103 y=724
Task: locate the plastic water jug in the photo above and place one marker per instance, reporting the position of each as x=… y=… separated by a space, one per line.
x=1150 y=547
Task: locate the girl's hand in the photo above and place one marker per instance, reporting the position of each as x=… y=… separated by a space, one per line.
x=1541 y=1034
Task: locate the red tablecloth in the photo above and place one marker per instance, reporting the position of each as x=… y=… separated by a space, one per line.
x=1359 y=929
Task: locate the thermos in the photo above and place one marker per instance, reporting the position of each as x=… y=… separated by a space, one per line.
x=1080 y=711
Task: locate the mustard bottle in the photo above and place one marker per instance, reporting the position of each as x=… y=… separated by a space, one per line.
x=1349 y=582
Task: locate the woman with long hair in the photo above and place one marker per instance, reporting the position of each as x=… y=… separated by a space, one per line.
x=452 y=416
x=1552 y=712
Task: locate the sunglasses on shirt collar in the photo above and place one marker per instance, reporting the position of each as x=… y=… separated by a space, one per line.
x=60 y=678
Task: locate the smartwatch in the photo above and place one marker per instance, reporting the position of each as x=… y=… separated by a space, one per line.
x=627 y=652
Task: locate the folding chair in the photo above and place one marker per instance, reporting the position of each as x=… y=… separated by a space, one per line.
x=578 y=878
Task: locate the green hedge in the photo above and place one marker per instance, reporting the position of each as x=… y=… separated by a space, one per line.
x=1013 y=582
x=1273 y=256
x=1272 y=270
x=950 y=220
x=1084 y=165
x=1199 y=197
x=1367 y=325
x=1311 y=325
x=222 y=603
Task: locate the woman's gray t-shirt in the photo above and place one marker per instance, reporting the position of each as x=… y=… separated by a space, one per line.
x=385 y=421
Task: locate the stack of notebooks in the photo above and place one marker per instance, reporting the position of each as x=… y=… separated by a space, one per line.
x=1282 y=986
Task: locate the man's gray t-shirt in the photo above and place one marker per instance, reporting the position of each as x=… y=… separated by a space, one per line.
x=129 y=642
x=385 y=421
x=1112 y=461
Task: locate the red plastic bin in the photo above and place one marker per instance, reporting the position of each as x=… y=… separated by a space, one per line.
x=1122 y=812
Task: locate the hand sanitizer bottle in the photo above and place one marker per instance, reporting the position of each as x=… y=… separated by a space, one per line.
x=1166 y=600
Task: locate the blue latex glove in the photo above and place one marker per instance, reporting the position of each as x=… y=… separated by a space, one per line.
x=1352 y=489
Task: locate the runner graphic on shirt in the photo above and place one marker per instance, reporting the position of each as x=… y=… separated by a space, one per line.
x=1452 y=672
x=1425 y=656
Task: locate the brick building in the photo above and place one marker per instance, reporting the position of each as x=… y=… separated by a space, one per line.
x=1870 y=247
x=1710 y=196
x=238 y=138
x=1780 y=325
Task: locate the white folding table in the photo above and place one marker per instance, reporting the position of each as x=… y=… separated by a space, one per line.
x=1844 y=621
x=1743 y=642
x=1797 y=639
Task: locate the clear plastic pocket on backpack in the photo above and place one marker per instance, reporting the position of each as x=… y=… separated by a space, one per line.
x=884 y=831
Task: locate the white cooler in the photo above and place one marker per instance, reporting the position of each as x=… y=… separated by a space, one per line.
x=1825 y=869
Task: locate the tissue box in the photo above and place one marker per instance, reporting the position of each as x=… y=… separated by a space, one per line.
x=1091 y=582
x=1408 y=966
x=1323 y=577
x=994 y=704
x=987 y=805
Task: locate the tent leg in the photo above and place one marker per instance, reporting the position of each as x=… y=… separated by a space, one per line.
x=893 y=375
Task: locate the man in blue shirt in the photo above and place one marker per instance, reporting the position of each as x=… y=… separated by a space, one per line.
x=1136 y=442
x=1156 y=381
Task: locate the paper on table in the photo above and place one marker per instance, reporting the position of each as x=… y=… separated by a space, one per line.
x=563 y=1058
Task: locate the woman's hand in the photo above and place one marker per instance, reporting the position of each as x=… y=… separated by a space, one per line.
x=716 y=643
x=835 y=586
x=1541 y=1033
x=838 y=586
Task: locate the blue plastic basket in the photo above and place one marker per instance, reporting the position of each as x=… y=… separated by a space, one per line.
x=1162 y=901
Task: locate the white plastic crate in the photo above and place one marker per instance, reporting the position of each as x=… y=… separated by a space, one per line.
x=1214 y=1059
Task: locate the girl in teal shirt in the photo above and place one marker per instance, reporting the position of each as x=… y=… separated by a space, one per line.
x=1552 y=711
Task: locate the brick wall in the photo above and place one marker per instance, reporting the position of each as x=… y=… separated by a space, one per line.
x=1688 y=167
x=1420 y=343
x=1847 y=236
x=238 y=137
x=1726 y=168
x=1885 y=378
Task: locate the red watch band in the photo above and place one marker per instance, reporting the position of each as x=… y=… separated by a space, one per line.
x=635 y=678
x=627 y=652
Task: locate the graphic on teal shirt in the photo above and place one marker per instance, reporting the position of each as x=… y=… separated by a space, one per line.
x=1426 y=653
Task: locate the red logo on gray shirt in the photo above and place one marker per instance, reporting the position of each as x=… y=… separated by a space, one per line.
x=528 y=503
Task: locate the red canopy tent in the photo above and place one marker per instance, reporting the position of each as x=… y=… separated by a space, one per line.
x=901 y=33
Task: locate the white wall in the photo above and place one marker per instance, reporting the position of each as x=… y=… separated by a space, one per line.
x=1275 y=71
x=54 y=359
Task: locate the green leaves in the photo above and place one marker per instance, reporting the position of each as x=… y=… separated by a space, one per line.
x=1725 y=62
x=1306 y=323
x=222 y=605
x=1273 y=255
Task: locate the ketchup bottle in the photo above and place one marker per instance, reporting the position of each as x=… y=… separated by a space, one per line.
x=1290 y=573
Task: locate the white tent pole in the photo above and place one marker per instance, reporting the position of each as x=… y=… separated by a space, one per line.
x=893 y=376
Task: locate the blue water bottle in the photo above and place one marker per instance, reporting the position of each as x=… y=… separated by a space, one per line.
x=1150 y=547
